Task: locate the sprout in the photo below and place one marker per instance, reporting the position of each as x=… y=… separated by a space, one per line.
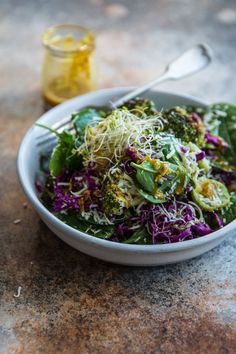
x=110 y=139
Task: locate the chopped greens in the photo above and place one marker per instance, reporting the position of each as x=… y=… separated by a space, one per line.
x=221 y=121
x=137 y=175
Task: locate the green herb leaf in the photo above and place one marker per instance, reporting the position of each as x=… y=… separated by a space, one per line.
x=141 y=106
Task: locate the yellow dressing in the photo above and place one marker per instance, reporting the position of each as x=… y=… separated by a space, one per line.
x=207 y=189
x=159 y=195
x=179 y=189
x=68 y=68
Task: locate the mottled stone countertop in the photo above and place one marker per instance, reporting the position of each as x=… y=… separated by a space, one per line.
x=70 y=302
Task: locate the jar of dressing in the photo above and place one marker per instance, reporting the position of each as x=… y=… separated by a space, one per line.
x=68 y=68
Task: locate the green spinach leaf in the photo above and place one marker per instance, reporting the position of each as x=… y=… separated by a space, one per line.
x=47 y=195
x=146 y=176
x=155 y=190
x=150 y=198
x=83 y=118
x=63 y=155
x=72 y=219
x=140 y=236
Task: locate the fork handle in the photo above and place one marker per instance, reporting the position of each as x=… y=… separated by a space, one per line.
x=139 y=91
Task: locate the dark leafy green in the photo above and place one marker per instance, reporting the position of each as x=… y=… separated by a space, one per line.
x=48 y=196
x=83 y=118
x=156 y=189
x=63 y=155
x=229 y=214
x=146 y=176
x=73 y=220
x=141 y=236
x=150 y=198
x=221 y=119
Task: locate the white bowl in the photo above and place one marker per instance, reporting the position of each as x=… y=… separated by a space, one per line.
x=136 y=255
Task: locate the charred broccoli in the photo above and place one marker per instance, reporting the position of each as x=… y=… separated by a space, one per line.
x=113 y=201
x=141 y=105
x=119 y=194
x=186 y=126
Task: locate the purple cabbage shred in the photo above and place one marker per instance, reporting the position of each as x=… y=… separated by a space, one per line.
x=67 y=186
x=226 y=177
x=184 y=149
x=196 y=117
x=218 y=219
x=215 y=140
x=200 y=155
x=161 y=226
x=133 y=154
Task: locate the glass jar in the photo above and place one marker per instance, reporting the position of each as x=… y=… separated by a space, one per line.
x=68 y=68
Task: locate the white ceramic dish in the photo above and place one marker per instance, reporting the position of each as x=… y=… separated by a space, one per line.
x=135 y=255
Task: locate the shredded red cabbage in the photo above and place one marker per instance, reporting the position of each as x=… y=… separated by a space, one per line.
x=184 y=149
x=200 y=155
x=196 y=117
x=133 y=154
x=218 y=219
x=226 y=177
x=162 y=225
x=215 y=140
x=68 y=185
x=127 y=168
x=201 y=229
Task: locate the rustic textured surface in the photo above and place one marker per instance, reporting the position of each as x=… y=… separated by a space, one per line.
x=69 y=302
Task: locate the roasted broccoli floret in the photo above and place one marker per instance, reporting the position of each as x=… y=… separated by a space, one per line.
x=141 y=105
x=119 y=194
x=186 y=126
x=114 y=200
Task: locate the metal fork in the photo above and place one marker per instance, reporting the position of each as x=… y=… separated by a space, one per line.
x=189 y=62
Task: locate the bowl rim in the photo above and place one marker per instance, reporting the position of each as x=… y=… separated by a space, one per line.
x=52 y=219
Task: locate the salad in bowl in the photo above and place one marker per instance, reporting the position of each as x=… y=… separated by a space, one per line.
x=143 y=175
